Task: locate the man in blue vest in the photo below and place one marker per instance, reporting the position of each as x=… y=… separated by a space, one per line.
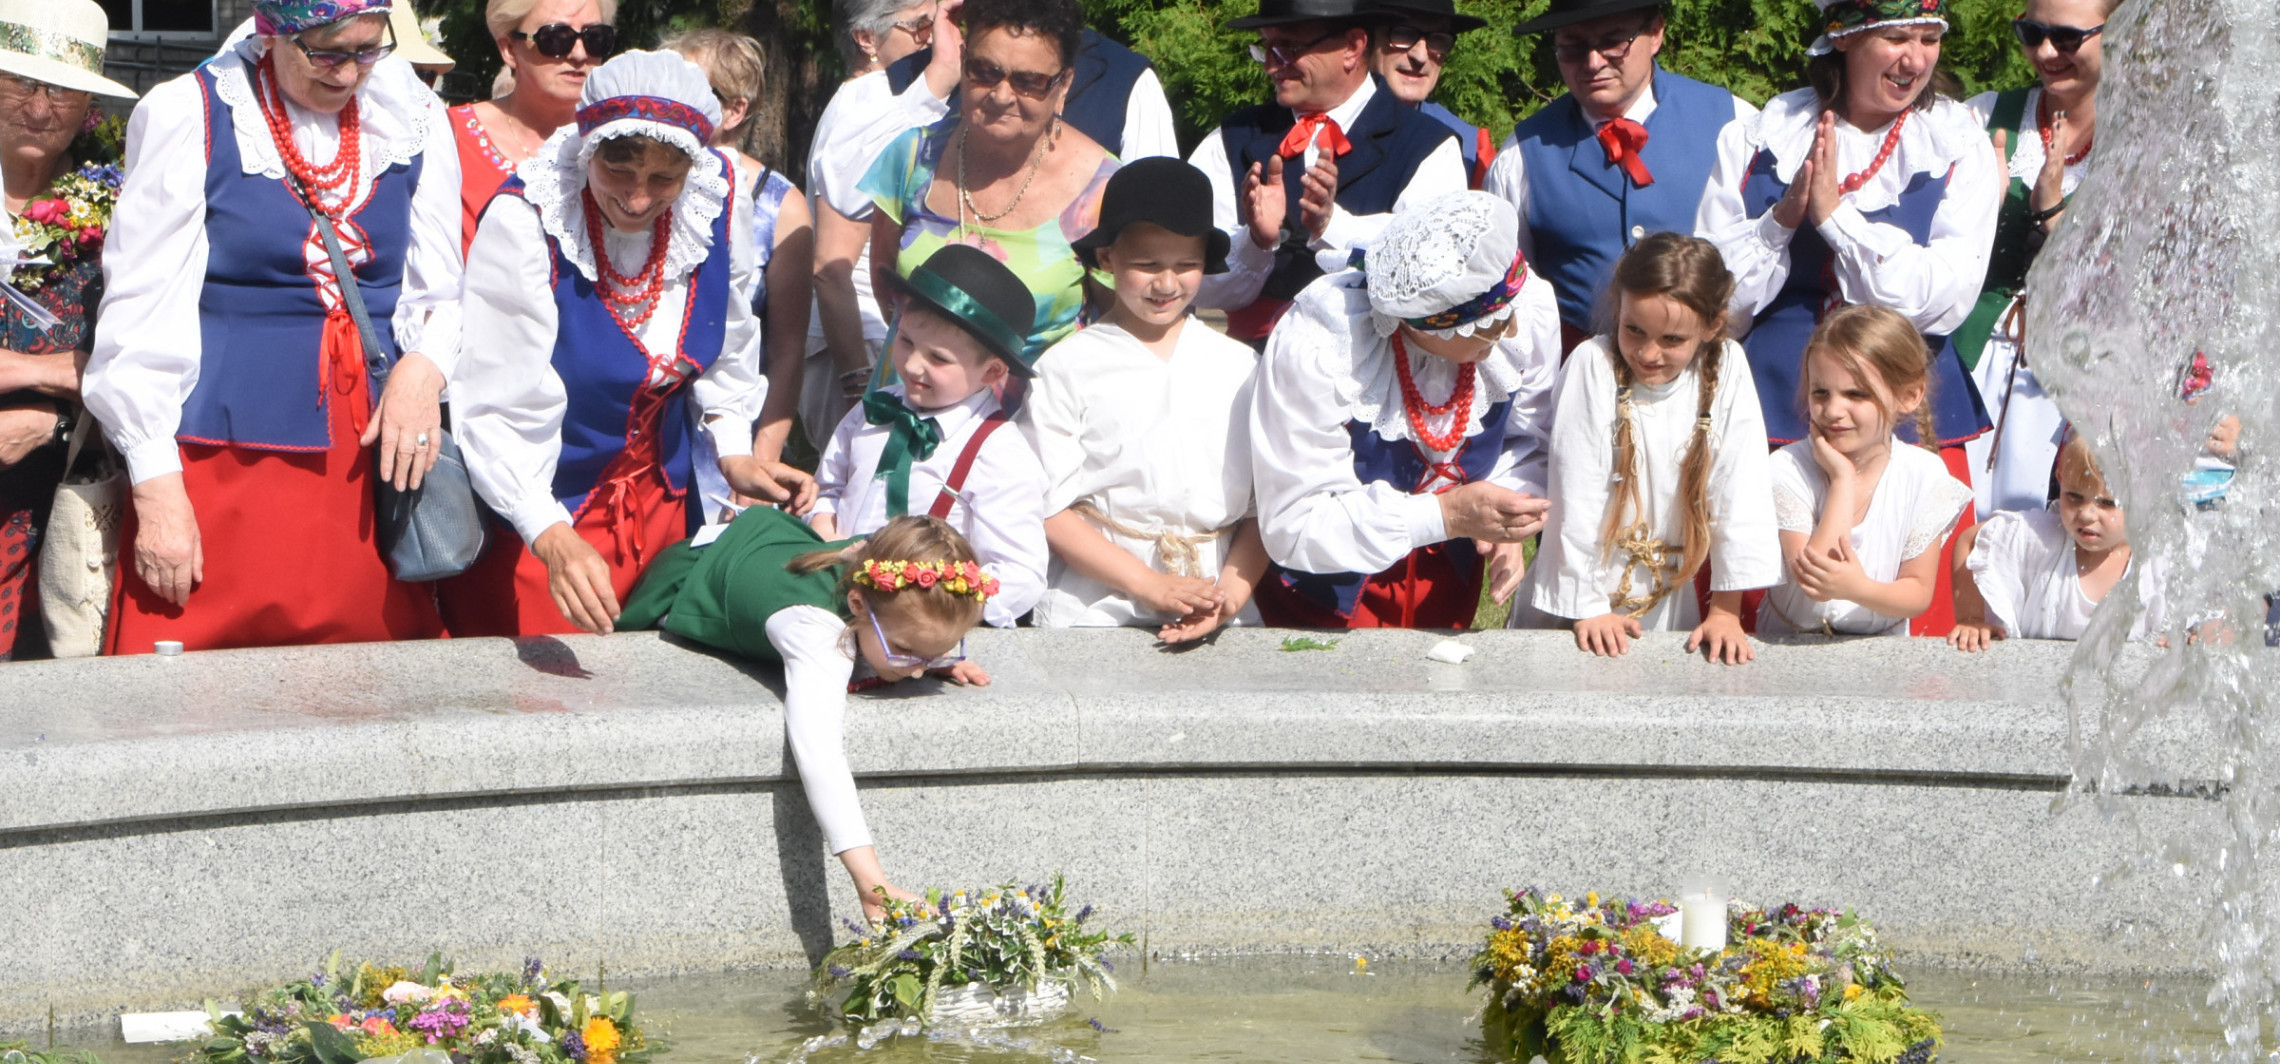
x=1409 y=55
x=1302 y=183
x=1627 y=152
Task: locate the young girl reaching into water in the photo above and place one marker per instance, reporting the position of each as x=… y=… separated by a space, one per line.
x=2039 y=574
x=1862 y=514
x=1658 y=466
x=896 y=605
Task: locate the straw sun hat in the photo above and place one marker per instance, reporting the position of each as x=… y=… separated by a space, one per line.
x=59 y=42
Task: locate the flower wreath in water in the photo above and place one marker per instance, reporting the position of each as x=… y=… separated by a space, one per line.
x=959 y=578
x=1018 y=944
x=1598 y=982
x=401 y=1016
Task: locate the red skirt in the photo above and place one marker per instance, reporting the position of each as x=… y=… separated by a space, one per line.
x=1425 y=590
x=505 y=593
x=291 y=556
x=1939 y=620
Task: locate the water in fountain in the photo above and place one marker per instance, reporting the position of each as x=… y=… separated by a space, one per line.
x=2170 y=249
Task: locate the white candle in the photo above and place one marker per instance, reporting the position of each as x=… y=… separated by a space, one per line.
x=1703 y=921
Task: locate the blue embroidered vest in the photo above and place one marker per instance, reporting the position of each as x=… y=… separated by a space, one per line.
x=1468 y=137
x=600 y=367
x=1099 y=92
x=261 y=322
x=1401 y=465
x=1776 y=343
x=1584 y=212
x=1391 y=140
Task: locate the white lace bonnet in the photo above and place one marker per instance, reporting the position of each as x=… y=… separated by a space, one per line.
x=652 y=94
x=1448 y=266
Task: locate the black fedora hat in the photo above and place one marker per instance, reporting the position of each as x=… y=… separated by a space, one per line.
x=1160 y=191
x=1570 y=12
x=1281 y=12
x=1458 y=21
x=972 y=288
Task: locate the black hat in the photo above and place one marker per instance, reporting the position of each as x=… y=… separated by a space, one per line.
x=1160 y=191
x=1458 y=22
x=968 y=286
x=1570 y=12
x=1281 y=12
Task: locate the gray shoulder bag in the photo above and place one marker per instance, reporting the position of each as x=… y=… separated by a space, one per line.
x=436 y=530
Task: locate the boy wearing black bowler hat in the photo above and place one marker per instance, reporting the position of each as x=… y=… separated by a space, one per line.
x=930 y=443
x=1627 y=152
x=1142 y=423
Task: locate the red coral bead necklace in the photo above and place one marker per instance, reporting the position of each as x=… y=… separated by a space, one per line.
x=336 y=179
x=1414 y=405
x=1883 y=155
x=622 y=293
x=2042 y=123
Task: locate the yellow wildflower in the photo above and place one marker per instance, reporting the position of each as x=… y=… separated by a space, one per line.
x=519 y=1004
x=1854 y=990
x=1591 y=900
x=1508 y=951
x=601 y=1037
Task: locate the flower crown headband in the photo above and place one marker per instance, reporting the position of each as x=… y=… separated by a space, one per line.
x=958 y=578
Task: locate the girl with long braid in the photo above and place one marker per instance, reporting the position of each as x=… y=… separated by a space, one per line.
x=1658 y=467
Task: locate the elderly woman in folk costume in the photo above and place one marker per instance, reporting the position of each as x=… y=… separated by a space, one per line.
x=229 y=370
x=1399 y=426
x=1872 y=186
x=605 y=295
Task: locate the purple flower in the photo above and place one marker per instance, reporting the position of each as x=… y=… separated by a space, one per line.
x=858 y=930
x=838 y=972
x=1501 y=924
x=908 y=955
x=1083 y=913
x=531 y=968
x=1098 y=1026
x=444 y=1020
x=574 y=1045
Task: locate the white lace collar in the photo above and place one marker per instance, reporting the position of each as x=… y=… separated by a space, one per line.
x=1332 y=325
x=393 y=108
x=1934 y=140
x=2027 y=148
x=554 y=177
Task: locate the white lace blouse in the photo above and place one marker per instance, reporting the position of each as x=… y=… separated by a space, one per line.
x=2023 y=563
x=1934 y=285
x=1326 y=367
x=147 y=355
x=1915 y=504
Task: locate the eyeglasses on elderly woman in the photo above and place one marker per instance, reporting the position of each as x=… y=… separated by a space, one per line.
x=985 y=75
x=325 y=59
x=18 y=90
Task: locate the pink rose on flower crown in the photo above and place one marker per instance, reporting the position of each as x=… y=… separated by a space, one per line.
x=926 y=577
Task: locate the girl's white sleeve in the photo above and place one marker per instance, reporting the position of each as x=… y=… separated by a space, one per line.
x=509 y=402
x=816 y=671
x=1796 y=503
x=730 y=392
x=1745 y=537
x=1933 y=285
x=1998 y=566
x=1756 y=249
x=1570 y=575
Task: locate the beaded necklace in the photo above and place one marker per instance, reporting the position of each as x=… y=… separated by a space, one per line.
x=966 y=195
x=1883 y=155
x=1414 y=405
x=337 y=178
x=2042 y=124
x=621 y=293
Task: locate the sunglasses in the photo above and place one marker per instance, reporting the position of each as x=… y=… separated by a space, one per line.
x=555 y=40
x=2067 y=39
x=1404 y=38
x=985 y=75
x=332 y=60
x=921 y=29
x=1275 y=55
x=901 y=660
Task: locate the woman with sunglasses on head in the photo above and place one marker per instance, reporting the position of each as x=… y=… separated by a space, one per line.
x=549 y=47
x=230 y=371
x=1871 y=186
x=2045 y=133
x=1003 y=172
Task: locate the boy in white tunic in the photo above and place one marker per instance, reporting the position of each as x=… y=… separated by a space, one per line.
x=1142 y=423
x=931 y=442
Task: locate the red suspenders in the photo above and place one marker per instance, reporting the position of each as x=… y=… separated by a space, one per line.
x=965 y=465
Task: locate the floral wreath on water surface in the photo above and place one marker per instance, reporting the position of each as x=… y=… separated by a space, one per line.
x=1598 y=982
x=405 y=1016
x=67 y=222
x=959 y=578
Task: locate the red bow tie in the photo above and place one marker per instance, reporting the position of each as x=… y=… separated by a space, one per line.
x=1295 y=142
x=1622 y=139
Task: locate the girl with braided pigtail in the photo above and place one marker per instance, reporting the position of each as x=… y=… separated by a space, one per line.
x=1658 y=467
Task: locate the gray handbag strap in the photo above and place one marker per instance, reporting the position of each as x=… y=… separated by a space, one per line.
x=344 y=277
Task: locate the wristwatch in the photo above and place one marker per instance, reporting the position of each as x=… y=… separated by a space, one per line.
x=63 y=423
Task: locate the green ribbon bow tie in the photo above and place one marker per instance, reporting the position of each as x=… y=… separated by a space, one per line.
x=913 y=439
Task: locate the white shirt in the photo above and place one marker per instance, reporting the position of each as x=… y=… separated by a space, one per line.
x=1248 y=264
x=1933 y=285
x=2027 y=153
x=1000 y=510
x=1508 y=173
x=2024 y=564
x=1569 y=577
x=863 y=117
x=147 y=354
x=511 y=402
x=1326 y=367
x=1915 y=504
x=1155 y=444
x=817 y=667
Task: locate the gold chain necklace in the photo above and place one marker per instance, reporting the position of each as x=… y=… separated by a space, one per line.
x=966 y=196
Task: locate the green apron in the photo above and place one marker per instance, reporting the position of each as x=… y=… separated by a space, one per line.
x=723 y=593
x=2007 y=264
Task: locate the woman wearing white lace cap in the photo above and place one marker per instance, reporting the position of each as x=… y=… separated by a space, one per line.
x=604 y=297
x=228 y=368
x=1398 y=433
